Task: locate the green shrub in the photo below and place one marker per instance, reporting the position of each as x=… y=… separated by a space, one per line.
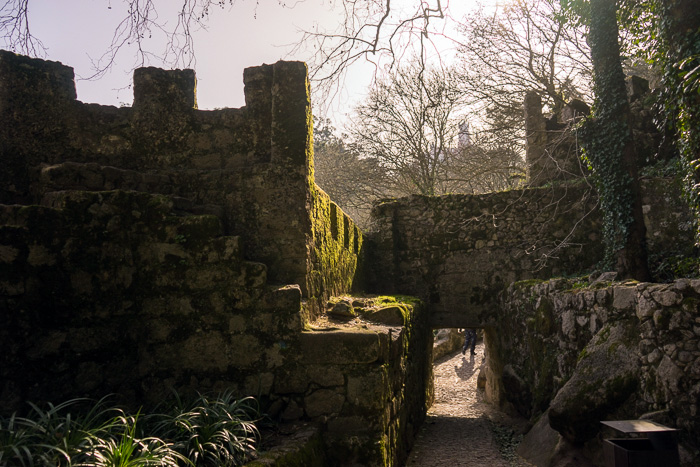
x=210 y=431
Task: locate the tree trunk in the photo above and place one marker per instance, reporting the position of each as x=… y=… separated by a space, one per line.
x=614 y=155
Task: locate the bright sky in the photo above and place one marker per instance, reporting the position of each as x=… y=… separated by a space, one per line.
x=74 y=31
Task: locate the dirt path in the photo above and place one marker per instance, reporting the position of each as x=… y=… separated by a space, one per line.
x=461 y=429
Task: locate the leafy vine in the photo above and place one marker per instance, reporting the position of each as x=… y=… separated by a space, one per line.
x=606 y=136
x=679 y=53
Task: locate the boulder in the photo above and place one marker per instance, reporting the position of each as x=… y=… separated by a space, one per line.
x=544 y=447
x=342 y=310
x=391 y=316
x=605 y=376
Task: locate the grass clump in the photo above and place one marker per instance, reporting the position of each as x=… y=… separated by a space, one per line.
x=208 y=431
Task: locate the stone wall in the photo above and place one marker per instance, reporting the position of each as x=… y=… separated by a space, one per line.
x=369 y=384
x=336 y=252
x=252 y=167
x=159 y=247
x=552 y=149
x=580 y=353
x=457 y=252
x=115 y=292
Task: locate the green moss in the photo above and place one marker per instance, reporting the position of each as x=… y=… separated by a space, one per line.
x=336 y=249
x=603 y=335
x=521 y=285
x=583 y=354
x=396 y=299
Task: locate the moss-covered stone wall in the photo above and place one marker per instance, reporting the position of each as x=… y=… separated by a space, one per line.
x=457 y=252
x=252 y=167
x=115 y=292
x=368 y=385
x=159 y=247
x=336 y=253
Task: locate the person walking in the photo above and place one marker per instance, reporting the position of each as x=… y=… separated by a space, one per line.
x=469 y=340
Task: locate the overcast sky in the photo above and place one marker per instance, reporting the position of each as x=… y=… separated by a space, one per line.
x=76 y=31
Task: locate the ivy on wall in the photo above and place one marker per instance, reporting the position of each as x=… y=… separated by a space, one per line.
x=603 y=145
x=678 y=51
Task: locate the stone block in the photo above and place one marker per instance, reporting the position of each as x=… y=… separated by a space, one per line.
x=326 y=376
x=624 y=297
x=343 y=347
x=369 y=390
x=292 y=412
x=323 y=402
x=164 y=91
x=645 y=307
x=349 y=425
x=33 y=88
x=292 y=379
x=390 y=316
x=665 y=295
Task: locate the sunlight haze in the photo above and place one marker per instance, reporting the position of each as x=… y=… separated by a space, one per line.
x=77 y=33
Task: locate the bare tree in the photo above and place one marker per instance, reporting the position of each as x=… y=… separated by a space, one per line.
x=14 y=28
x=410 y=122
x=384 y=32
x=159 y=30
x=526 y=46
x=485 y=165
x=353 y=182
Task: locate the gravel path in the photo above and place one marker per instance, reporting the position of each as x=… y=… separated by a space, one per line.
x=461 y=429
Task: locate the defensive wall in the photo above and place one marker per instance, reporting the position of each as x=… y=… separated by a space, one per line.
x=250 y=167
x=159 y=246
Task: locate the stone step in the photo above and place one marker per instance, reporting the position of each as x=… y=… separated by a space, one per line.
x=91 y=237
x=95 y=177
x=76 y=176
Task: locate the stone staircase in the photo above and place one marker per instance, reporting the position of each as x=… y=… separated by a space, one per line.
x=127 y=284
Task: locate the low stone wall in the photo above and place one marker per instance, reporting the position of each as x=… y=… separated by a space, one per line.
x=367 y=385
x=582 y=353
